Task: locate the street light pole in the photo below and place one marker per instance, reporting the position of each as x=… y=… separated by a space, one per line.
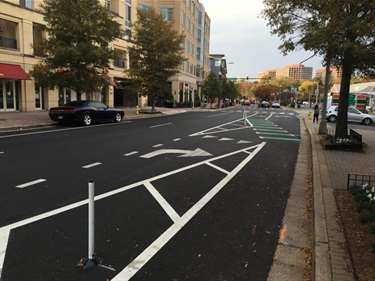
x=323 y=122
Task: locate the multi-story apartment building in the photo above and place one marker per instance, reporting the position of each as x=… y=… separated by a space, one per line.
x=20 y=30
x=188 y=17
x=292 y=72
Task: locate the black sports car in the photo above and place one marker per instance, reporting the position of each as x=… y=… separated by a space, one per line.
x=85 y=112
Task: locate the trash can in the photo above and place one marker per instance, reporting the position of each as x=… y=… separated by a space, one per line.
x=309 y=115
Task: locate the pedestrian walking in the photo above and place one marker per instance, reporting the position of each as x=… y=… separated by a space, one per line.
x=316 y=113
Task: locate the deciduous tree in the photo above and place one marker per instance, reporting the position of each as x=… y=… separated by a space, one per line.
x=341 y=31
x=156 y=54
x=211 y=87
x=77 y=45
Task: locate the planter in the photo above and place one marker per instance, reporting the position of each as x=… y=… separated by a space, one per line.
x=329 y=144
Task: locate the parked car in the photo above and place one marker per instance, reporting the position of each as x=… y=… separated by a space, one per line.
x=264 y=104
x=246 y=102
x=85 y=112
x=275 y=104
x=354 y=115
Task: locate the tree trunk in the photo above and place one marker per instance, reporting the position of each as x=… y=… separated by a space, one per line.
x=342 y=116
x=323 y=121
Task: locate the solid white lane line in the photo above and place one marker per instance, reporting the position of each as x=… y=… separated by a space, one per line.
x=91 y=165
x=166 y=124
x=30 y=183
x=163 y=203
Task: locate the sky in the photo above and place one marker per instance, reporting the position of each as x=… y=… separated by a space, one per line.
x=240 y=33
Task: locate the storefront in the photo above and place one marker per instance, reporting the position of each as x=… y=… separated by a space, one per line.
x=11 y=76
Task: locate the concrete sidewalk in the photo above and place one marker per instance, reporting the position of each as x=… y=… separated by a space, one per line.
x=330 y=169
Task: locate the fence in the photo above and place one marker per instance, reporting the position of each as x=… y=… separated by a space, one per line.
x=360 y=180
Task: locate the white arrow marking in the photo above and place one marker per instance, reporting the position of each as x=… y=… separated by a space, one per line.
x=187 y=153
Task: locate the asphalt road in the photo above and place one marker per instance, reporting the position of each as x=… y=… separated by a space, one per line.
x=195 y=196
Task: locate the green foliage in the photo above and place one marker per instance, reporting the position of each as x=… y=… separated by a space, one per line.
x=345 y=38
x=77 y=46
x=155 y=54
x=211 y=86
x=365 y=199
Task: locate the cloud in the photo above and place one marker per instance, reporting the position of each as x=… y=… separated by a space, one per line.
x=239 y=31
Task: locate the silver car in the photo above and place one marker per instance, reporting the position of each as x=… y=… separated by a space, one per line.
x=354 y=115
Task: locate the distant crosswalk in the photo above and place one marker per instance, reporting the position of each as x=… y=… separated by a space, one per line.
x=268 y=130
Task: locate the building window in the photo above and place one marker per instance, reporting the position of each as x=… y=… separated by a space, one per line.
x=27 y=4
x=188 y=24
x=128 y=18
x=108 y=4
x=183 y=18
x=198 y=53
x=38 y=37
x=167 y=13
x=144 y=8
x=120 y=59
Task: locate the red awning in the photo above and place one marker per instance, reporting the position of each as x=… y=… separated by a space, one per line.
x=12 y=71
x=109 y=80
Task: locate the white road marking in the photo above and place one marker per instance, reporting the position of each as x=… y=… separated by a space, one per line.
x=218 y=168
x=129 y=271
x=242 y=141
x=131 y=153
x=178 y=139
x=166 y=124
x=163 y=203
x=30 y=183
x=209 y=137
x=186 y=153
x=225 y=139
x=67 y=129
x=5 y=230
x=157 y=145
x=221 y=129
x=1 y=152
x=91 y=165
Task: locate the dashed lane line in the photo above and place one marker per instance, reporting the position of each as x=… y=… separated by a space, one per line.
x=30 y=183
x=131 y=153
x=91 y=165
